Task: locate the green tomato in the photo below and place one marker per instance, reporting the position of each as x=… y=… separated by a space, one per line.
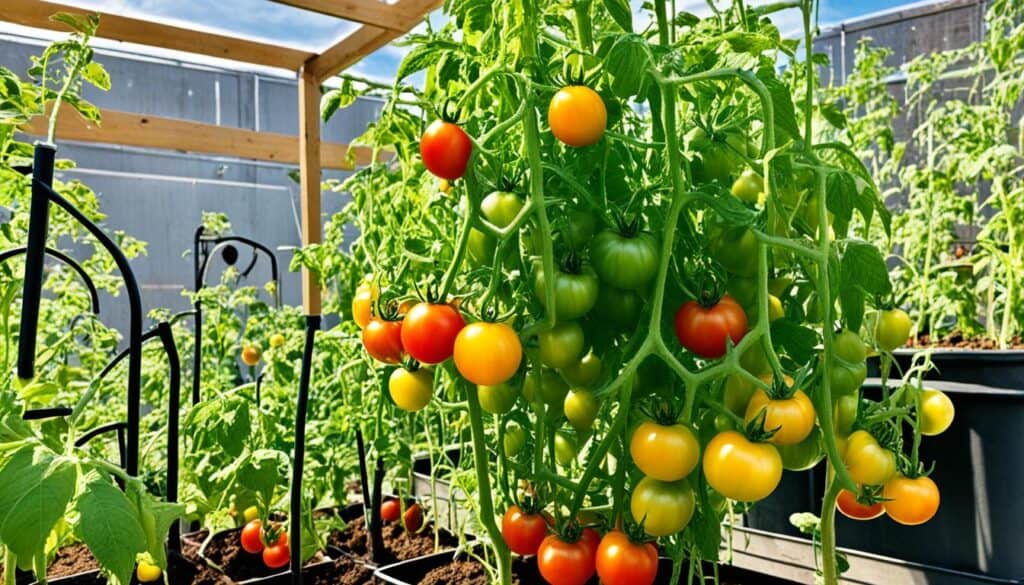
x=755 y=361
x=845 y=380
x=480 y=248
x=744 y=290
x=497 y=399
x=803 y=455
x=619 y=308
x=581 y=407
x=565 y=449
x=626 y=262
x=719 y=154
x=562 y=345
x=514 y=440
x=735 y=248
x=548 y=388
x=501 y=208
x=748 y=187
x=662 y=508
x=584 y=373
x=849 y=347
x=892 y=329
x=844 y=414
x=575 y=293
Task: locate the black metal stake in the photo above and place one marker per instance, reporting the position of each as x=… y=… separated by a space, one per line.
x=94 y=297
x=376 y=526
x=173 y=413
x=295 y=518
x=32 y=286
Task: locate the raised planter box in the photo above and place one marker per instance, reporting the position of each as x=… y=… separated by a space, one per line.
x=449 y=503
x=992 y=368
x=412 y=572
x=977 y=529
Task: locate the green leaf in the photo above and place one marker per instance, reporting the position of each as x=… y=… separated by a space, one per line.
x=729 y=208
x=786 y=126
x=85 y=24
x=110 y=527
x=337 y=99
x=418 y=59
x=748 y=42
x=797 y=341
x=840 y=195
x=834 y=115
x=628 y=60
x=852 y=301
x=161 y=515
x=261 y=472
x=95 y=74
x=621 y=13
x=35 y=488
x=862 y=265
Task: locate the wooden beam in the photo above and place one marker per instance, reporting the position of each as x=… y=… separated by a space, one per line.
x=374 y=12
x=173 y=134
x=309 y=172
x=365 y=40
x=36 y=13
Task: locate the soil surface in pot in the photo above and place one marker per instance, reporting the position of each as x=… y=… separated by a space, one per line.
x=398 y=545
x=957 y=340
x=343 y=571
x=70 y=560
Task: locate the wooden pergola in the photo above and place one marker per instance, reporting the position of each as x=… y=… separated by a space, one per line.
x=380 y=23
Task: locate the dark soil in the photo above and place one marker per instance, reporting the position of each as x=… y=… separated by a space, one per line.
x=225 y=550
x=470 y=572
x=70 y=560
x=957 y=340
x=398 y=545
x=188 y=569
x=343 y=571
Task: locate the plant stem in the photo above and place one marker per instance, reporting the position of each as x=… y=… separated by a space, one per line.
x=660 y=13
x=476 y=425
x=829 y=568
x=10 y=567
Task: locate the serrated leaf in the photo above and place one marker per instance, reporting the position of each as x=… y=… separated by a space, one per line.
x=85 y=24
x=35 y=488
x=797 y=341
x=862 y=265
x=834 y=115
x=418 y=59
x=260 y=473
x=628 y=60
x=851 y=301
x=110 y=527
x=621 y=13
x=748 y=42
x=729 y=208
x=95 y=74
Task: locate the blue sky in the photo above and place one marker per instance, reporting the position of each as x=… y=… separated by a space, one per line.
x=284 y=25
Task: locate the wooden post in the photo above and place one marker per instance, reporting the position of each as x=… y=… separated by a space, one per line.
x=309 y=164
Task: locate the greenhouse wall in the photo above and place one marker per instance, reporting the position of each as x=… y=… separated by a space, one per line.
x=159 y=196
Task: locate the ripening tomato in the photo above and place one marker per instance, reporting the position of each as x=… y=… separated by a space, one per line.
x=565 y=449
x=590 y=537
x=251 y=513
x=277 y=555
x=911 y=501
x=791 y=418
x=252 y=537
x=383 y=340
x=581 y=407
x=735 y=248
x=664 y=452
x=412 y=520
x=850 y=507
x=892 y=329
x=487 y=354
x=803 y=455
x=147 y=572
x=868 y=462
x=627 y=261
x=565 y=563
x=575 y=292
x=523 y=532
x=577 y=116
x=748 y=187
x=704 y=329
x=584 y=373
x=362 y=304
x=620 y=561
x=251 y=355
x=390 y=510
x=662 y=507
x=496 y=399
x=445 y=149
x=936 y=412
x=562 y=345
x=276 y=340
x=411 y=389
x=429 y=332
x=740 y=469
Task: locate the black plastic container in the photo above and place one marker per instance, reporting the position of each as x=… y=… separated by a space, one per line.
x=412 y=572
x=993 y=368
x=977 y=529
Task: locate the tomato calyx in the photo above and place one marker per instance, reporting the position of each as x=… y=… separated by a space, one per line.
x=635 y=533
x=449 y=111
x=572 y=263
x=627 y=225
x=869 y=495
x=660 y=411
x=755 y=430
x=272 y=532
x=571 y=532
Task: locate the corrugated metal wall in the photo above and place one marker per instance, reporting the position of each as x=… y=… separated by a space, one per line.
x=159 y=196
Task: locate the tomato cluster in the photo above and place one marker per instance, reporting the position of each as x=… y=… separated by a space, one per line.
x=271 y=542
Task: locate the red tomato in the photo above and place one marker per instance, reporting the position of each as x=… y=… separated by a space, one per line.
x=849 y=506
x=383 y=340
x=623 y=562
x=429 y=332
x=564 y=563
x=703 y=330
x=413 y=518
x=523 y=532
x=277 y=555
x=445 y=149
x=390 y=510
x=591 y=538
x=252 y=537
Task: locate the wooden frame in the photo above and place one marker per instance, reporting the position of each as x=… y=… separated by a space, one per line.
x=380 y=22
